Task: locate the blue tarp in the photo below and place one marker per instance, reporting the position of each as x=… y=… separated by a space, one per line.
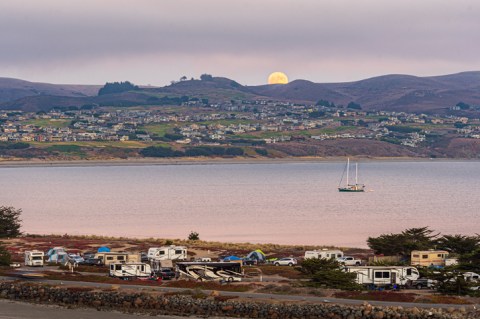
x=103 y=249
x=230 y=258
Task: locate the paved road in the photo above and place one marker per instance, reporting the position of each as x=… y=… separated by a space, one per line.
x=249 y=295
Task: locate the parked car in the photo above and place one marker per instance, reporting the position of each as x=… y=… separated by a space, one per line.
x=422 y=283
x=349 y=261
x=75 y=258
x=92 y=262
x=285 y=262
x=249 y=261
x=167 y=274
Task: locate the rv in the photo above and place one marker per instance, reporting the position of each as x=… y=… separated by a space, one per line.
x=427 y=258
x=324 y=254
x=34 y=258
x=210 y=271
x=108 y=258
x=384 y=276
x=167 y=253
x=130 y=270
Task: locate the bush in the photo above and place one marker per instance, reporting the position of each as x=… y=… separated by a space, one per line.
x=5 y=257
x=160 y=151
x=261 y=151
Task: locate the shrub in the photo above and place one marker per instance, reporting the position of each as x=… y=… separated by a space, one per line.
x=193 y=236
x=5 y=257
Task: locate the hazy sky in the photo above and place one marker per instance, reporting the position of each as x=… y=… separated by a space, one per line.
x=156 y=41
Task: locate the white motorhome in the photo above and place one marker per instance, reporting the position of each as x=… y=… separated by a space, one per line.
x=34 y=258
x=384 y=275
x=324 y=254
x=167 y=253
x=130 y=270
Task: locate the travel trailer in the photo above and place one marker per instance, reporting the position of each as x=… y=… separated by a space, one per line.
x=130 y=270
x=34 y=258
x=427 y=258
x=324 y=254
x=167 y=253
x=384 y=276
x=116 y=257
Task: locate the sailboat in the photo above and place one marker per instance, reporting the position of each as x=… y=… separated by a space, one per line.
x=351 y=187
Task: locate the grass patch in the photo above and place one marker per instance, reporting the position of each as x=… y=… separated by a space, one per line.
x=283 y=271
x=95 y=144
x=65 y=148
x=159 y=129
x=58 y=123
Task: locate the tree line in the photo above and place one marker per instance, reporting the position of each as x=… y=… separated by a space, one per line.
x=162 y=151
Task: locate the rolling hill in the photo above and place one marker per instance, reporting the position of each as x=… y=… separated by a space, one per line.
x=395 y=92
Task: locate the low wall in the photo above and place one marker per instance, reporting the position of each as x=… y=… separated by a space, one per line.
x=158 y=304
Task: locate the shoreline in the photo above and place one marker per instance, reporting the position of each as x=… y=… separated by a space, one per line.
x=212 y=161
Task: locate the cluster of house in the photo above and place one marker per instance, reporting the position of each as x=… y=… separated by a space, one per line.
x=264 y=116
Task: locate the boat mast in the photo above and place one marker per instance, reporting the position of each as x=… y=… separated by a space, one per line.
x=348 y=168
x=356 y=173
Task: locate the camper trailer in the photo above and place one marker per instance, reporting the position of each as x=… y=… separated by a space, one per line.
x=111 y=257
x=167 y=253
x=34 y=258
x=427 y=258
x=384 y=276
x=210 y=271
x=130 y=270
x=323 y=254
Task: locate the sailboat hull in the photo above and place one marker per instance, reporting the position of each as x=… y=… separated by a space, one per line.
x=351 y=190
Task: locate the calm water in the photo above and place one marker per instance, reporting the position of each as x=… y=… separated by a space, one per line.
x=294 y=203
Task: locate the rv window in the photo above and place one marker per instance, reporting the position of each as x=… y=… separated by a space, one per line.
x=161 y=252
x=118 y=267
x=109 y=257
x=178 y=252
x=143 y=268
x=425 y=256
x=120 y=257
x=440 y=255
x=112 y=266
x=409 y=271
x=416 y=256
x=382 y=274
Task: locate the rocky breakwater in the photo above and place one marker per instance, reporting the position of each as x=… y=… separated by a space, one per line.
x=159 y=304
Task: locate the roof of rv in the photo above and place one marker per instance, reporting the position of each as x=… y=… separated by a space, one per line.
x=430 y=252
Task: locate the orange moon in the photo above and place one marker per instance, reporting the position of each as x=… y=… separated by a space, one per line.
x=277 y=78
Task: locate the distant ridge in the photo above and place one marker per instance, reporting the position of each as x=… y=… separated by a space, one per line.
x=394 y=92
x=13 y=89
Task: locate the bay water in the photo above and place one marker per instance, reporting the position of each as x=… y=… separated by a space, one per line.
x=284 y=203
